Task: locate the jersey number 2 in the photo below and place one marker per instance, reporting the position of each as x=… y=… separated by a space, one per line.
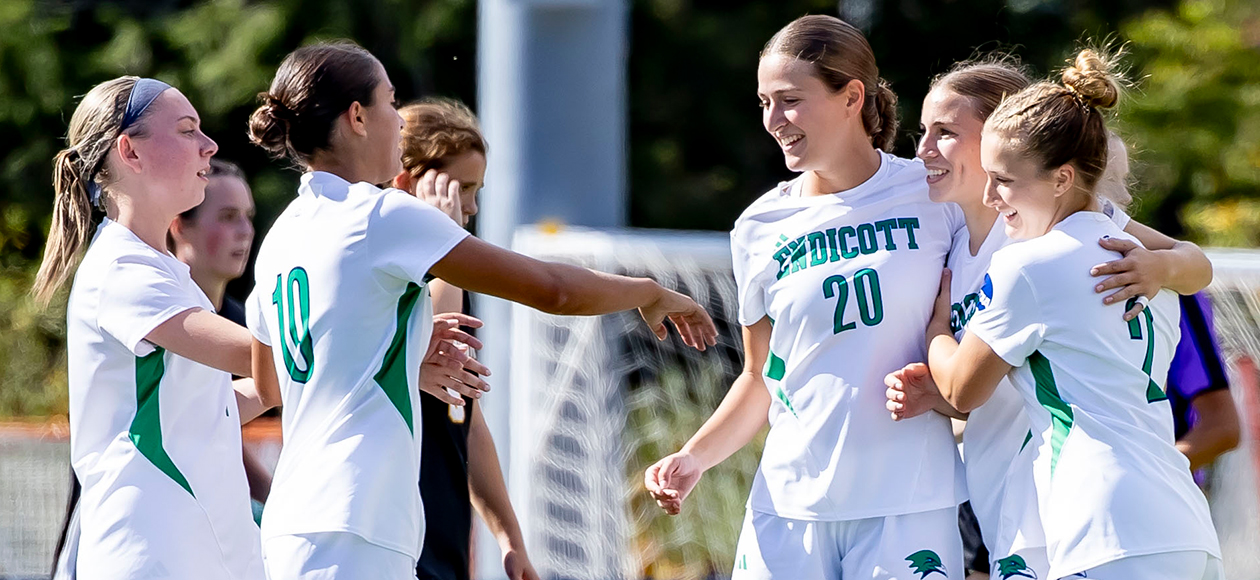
x=1153 y=392
x=288 y=297
x=869 y=300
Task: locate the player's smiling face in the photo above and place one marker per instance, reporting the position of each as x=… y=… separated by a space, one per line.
x=1026 y=196
x=802 y=114
x=950 y=147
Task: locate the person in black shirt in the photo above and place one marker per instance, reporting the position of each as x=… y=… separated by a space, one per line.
x=444 y=163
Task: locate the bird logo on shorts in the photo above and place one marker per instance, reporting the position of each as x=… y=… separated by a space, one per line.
x=1014 y=566
x=925 y=562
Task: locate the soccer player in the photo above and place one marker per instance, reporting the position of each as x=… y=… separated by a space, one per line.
x=835 y=272
x=1090 y=380
x=444 y=164
x=154 y=420
x=1205 y=418
x=999 y=475
x=341 y=311
x=213 y=239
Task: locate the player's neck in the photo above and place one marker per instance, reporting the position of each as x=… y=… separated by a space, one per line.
x=346 y=167
x=213 y=286
x=850 y=169
x=980 y=219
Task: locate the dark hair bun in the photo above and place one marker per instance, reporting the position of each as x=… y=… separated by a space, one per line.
x=1090 y=77
x=269 y=126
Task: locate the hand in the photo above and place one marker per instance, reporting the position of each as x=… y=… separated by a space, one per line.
x=693 y=323
x=448 y=365
x=517 y=565
x=671 y=480
x=941 y=310
x=1140 y=272
x=439 y=190
x=911 y=392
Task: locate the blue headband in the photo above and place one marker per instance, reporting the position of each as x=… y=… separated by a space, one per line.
x=143 y=93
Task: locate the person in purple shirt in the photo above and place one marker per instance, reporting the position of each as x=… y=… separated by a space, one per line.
x=1205 y=419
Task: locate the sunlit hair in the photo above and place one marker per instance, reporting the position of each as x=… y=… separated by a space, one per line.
x=94 y=127
x=1062 y=123
x=434 y=131
x=840 y=54
x=1114 y=183
x=985 y=81
x=313 y=86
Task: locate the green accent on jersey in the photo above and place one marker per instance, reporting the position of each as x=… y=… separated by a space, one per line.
x=1027 y=438
x=776 y=367
x=1061 y=416
x=781 y=395
x=1014 y=566
x=146 y=427
x=1154 y=394
x=742 y=563
x=393 y=374
x=925 y=562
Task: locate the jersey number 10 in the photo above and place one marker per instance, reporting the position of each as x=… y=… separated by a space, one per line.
x=295 y=293
x=869 y=300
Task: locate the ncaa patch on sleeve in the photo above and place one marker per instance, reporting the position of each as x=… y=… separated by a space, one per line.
x=986 y=292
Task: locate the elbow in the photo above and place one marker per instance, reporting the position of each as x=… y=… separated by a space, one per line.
x=964 y=405
x=554 y=297
x=960 y=400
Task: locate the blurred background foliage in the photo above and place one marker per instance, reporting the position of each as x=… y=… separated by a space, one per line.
x=697 y=153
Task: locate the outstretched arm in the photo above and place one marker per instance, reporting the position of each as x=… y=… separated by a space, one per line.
x=743 y=412
x=477 y=266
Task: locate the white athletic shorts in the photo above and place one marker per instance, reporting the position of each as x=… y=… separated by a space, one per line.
x=333 y=556
x=920 y=546
x=1190 y=565
x=1022 y=563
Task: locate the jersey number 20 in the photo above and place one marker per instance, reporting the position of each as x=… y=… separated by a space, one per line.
x=293 y=297
x=869 y=300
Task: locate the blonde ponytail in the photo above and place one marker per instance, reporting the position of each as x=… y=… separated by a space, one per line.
x=79 y=170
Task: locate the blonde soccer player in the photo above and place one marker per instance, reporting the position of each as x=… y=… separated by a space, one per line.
x=155 y=434
x=836 y=270
x=997 y=460
x=341 y=311
x=1116 y=498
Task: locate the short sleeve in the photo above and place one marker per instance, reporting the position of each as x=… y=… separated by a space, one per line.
x=750 y=292
x=1008 y=318
x=1116 y=214
x=408 y=236
x=138 y=294
x=254 y=319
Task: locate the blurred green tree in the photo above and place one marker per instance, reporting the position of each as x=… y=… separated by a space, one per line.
x=1194 y=120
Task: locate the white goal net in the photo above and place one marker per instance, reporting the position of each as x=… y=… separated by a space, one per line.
x=597 y=400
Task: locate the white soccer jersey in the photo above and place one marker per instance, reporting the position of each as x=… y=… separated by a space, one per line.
x=1110 y=482
x=995 y=443
x=155 y=438
x=848 y=281
x=340 y=298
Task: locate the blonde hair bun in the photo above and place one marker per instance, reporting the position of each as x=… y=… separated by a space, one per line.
x=1091 y=78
